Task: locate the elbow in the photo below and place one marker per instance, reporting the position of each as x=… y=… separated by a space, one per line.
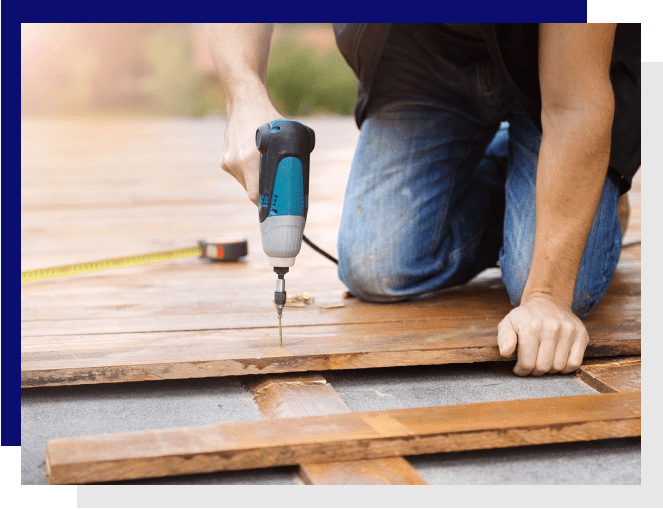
x=589 y=113
x=594 y=105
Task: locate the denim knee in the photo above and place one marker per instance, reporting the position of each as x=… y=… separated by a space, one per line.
x=369 y=276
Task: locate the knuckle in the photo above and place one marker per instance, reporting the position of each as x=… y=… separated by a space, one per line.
x=557 y=366
x=536 y=324
x=527 y=365
x=571 y=367
x=567 y=329
x=227 y=163
x=540 y=369
x=552 y=325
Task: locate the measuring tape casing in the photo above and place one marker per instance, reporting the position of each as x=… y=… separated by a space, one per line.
x=223 y=250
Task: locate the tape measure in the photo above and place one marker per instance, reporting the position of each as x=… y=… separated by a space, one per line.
x=223 y=250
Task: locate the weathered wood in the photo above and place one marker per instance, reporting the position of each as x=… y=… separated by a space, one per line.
x=103 y=358
x=612 y=375
x=113 y=188
x=612 y=361
x=189 y=294
x=310 y=394
x=342 y=437
x=301 y=395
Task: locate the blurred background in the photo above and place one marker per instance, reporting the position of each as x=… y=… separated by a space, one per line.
x=165 y=70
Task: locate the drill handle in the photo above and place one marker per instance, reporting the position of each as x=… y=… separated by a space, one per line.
x=285 y=147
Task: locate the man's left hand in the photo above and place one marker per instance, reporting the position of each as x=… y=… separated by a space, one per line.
x=550 y=338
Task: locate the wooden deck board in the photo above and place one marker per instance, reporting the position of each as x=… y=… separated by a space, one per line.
x=310 y=394
x=341 y=437
x=96 y=190
x=612 y=375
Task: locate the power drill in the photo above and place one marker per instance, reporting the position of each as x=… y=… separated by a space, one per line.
x=285 y=147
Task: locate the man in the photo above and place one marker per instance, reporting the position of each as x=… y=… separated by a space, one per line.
x=478 y=143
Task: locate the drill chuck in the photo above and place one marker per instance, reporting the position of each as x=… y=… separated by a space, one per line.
x=279 y=294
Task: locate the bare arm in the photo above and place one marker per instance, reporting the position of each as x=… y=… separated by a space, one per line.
x=577 y=112
x=241 y=52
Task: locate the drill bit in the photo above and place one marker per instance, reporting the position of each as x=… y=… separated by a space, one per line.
x=280 y=298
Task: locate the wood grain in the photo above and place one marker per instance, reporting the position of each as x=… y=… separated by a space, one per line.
x=612 y=375
x=105 y=358
x=341 y=437
x=100 y=189
x=310 y=394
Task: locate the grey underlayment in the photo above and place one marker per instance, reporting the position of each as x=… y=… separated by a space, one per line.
x=450 y=384
x=615 y=461
x=110 y=408
x=58 y=412
x=599 y=462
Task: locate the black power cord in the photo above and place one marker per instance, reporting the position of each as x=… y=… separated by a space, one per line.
x=330 y=257
x=316 y=248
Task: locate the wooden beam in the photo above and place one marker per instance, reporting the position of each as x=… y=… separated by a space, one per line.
x=612 y=375
x=105 y=358
x=342 y=437
x=305 y=395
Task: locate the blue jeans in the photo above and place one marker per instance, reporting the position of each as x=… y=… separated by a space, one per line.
x=443 y=183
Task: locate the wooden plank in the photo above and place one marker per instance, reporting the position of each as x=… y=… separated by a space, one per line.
x=281 y=396
x=612 y=375
x=341 y=437
x=104 y=358
x=110 y=302
x=111 y=188
x=125 y=300
x=306 y=395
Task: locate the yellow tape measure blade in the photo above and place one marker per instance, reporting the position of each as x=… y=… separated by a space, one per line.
x=30 y=276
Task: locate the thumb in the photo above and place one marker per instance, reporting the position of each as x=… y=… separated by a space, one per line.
x=506 y=337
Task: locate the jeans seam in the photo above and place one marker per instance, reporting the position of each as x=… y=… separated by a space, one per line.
x=452 y=255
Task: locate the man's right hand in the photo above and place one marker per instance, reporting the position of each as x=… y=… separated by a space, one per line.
x=240 y=52
x=240 y=156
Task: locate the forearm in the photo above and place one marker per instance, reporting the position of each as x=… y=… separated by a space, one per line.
x=571 y=171
x=576 y=116
x=240 y=52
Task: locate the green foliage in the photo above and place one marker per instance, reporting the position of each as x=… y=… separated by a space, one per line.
x=147 y=70
x=302 y=81
x=173 y=82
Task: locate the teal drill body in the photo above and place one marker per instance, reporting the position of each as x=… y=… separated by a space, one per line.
x=285 y=147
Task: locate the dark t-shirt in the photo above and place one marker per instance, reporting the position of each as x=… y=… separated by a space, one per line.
x=514 y=47
x=464 y=32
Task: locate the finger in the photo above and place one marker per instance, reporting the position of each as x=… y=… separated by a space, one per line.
x=229 y=166
x=548 y=338
x=507 y=338
x=577 y=351
x=564 y=342
x=528 y=346
x=252 y=179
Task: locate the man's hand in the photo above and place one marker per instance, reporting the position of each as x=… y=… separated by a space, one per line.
x=240 y=52
x=550 y=338
x=240 y=156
